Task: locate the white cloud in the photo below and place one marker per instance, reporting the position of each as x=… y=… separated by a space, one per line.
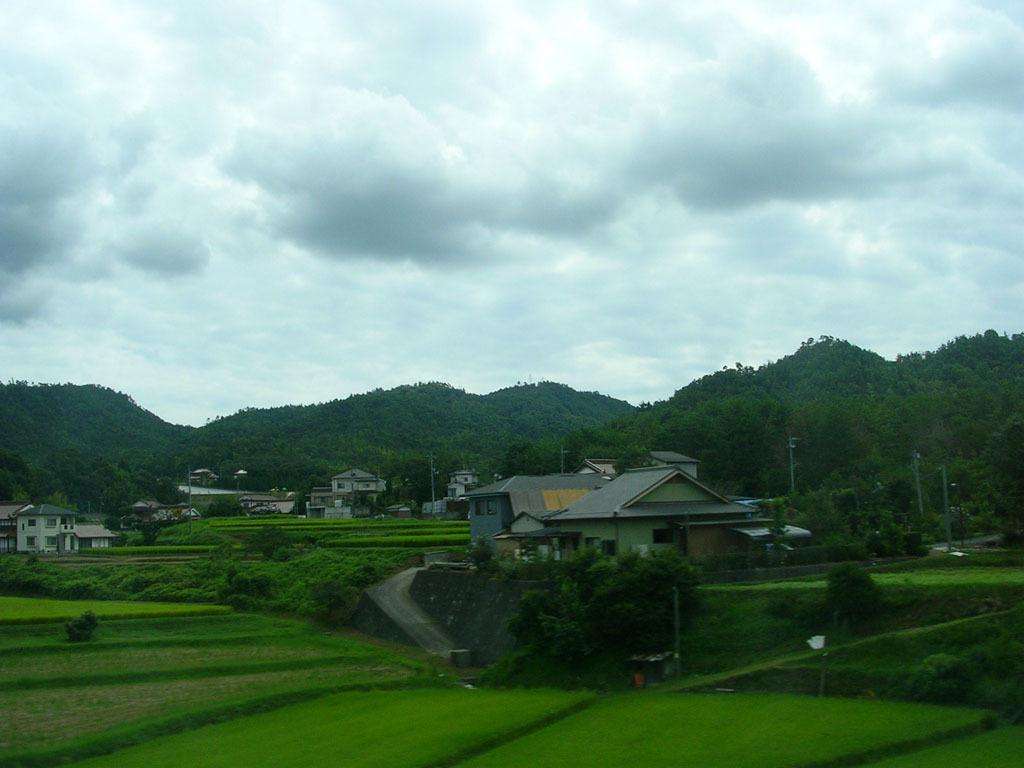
x=229 y=204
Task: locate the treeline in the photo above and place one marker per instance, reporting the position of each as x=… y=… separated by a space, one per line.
x=99 y=450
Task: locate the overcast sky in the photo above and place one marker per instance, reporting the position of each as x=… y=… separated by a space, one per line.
x=250 y=203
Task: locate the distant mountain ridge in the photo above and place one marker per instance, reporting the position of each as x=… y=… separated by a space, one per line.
x=37 y=420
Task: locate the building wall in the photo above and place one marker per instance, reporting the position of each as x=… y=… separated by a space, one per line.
x=34 y=535
x=483 y=524
x=638 y=534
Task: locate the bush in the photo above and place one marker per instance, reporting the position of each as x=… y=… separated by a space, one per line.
x=852 y=595
x=81 y=629
x=598 y=604
x=481 y=555
x=942 y=678
x=333 y=602
x=272 y=543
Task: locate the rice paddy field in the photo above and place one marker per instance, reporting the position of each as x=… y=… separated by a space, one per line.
x=141 y=677
x=25 y=610
x=1003 y=748
x=476 y=728
x=1010 y=576
x=243 y=689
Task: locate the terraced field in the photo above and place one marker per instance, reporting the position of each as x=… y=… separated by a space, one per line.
x=26 y=610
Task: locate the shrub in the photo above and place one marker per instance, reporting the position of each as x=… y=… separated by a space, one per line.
x=942 y=678
x=481 y=555
x=272 y=543
x=333 y=602
x=852 y=595
x=81 y=629
x=600 y=604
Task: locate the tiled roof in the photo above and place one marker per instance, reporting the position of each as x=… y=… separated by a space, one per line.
x=671 y=457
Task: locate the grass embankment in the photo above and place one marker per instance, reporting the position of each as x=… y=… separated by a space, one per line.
x=143 y=678
x=731 y=731
x=977 y=661
x=26 y=610
x=399 y=730
x=287 y=587
x=1003 y=748
x=349 y=534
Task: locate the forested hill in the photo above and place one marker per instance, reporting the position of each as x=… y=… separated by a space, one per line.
x=39 y=420
x=383 y=427
x=857 y=418
x=74 y=435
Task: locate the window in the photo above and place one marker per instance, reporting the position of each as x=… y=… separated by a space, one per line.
x=608 y=547
x=663 y=535
x=492 y=506
x=67 y=521
x=30 y=541
x=51 y=522
x=592 y=542
x=31 y=522
x=51 y=541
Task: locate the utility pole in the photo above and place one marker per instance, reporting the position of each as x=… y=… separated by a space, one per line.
x=917 y=483
x=945 y=510
x=561 y=454
x=433 y=495
x=675 y=624
x=792 y=469
x=189 y=510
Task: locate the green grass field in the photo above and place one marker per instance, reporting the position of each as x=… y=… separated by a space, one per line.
x=726 y=731
x=1003 y=748
x=1010 y=576
x=29 y=610
x=392 y=729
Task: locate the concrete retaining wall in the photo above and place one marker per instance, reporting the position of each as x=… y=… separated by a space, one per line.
x=473 y=609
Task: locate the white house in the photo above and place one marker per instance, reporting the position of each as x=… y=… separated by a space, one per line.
x=46 y=529
x=461 y=481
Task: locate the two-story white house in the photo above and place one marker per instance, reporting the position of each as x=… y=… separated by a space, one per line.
x=460 y=481
x=346 y=496
x=46 y=529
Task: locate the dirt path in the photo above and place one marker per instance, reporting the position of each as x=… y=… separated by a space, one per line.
x=392 y=597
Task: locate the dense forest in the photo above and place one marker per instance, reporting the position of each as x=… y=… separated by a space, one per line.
x=856 y=417
x=100 y=450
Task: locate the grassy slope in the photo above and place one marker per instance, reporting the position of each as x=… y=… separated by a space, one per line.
x=1003 y=748
x=735 y=731
x=18 y=610
x=392 y=730
x=938 y=577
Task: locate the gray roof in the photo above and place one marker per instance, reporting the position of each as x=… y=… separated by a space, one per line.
x=9 y=509
x=92 y=531
x=537 y=533
x=615 y=499
x=355 y=474
x=671 y=457
x=526 y=483
x=47 y=509
x=619 y=491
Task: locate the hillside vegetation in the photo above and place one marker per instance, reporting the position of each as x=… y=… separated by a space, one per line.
x=857 y=418
x=98 y=447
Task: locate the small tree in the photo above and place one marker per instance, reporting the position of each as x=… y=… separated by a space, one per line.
x=852 y=594
x=82 y=628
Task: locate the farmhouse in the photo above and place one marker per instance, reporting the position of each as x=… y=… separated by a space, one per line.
x=494 y=507
x=48 y=529
x=642 y=510
x=9 y=524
